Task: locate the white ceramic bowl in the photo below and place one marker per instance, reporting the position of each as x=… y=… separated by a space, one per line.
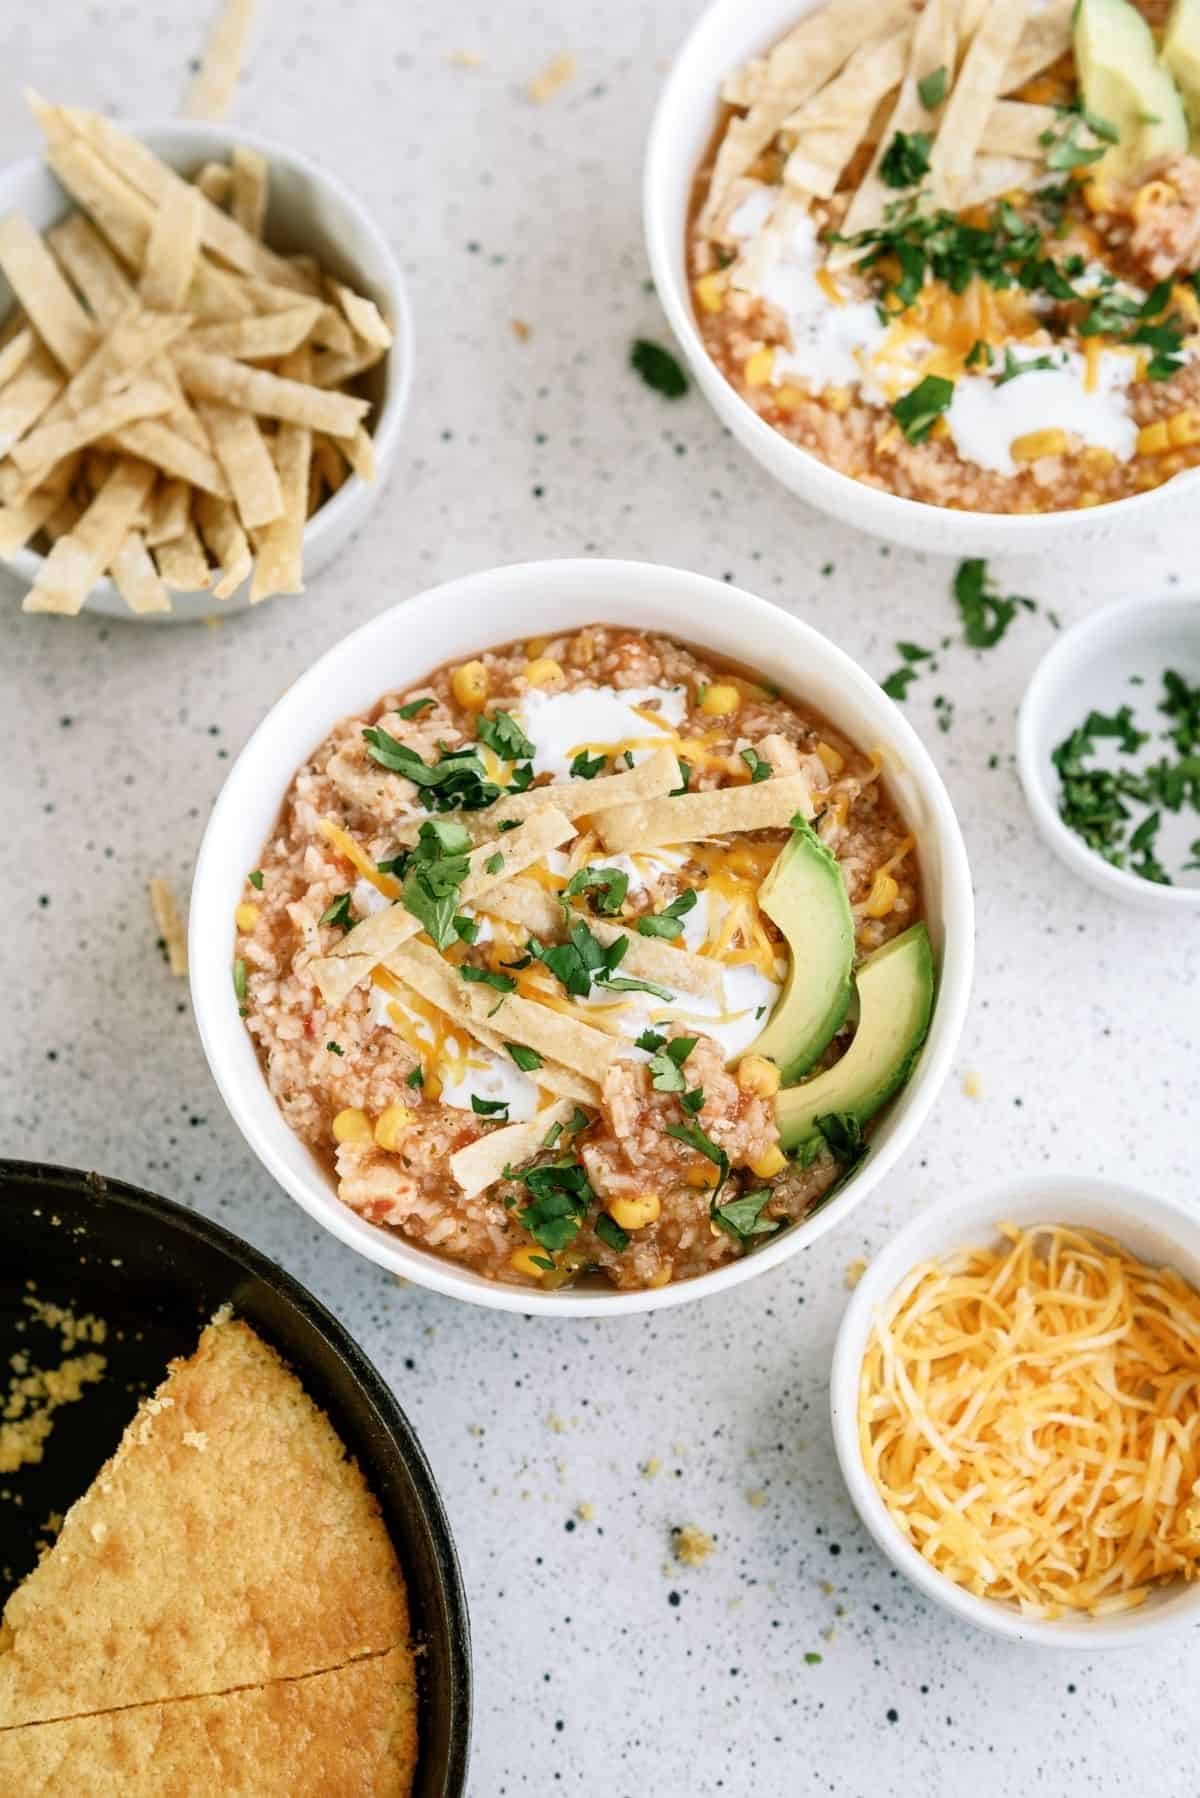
x=728 y=33
x=403 y=645
x=1089 y=669
x=1155 y=1229
x=309 y=210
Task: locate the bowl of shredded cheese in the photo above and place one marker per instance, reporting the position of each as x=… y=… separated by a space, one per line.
x=1016 y=1409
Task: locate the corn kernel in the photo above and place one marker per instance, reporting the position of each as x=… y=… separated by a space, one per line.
x=1097 y=458
x=1153 y=439
x=1088 y=499
x=710 y=291
x=940 y=430
x=789 y=398
x=756 y=369
x=771 y=1162
x=635 y=1214
x=1038 y=443
x=392 y=1124
x=882 y=896
x=662 y=1277
x=830 y=759
x=1155 y=193
x=755 y=1074
x=352 y=1126
x=246 y=916
x=542 y=671
x=837 y=399
x=702 y=1176
x=1096 y=197
x=720 y=699
x=536 y=646
x=526 y=1262
x=469 y=684
x=1184 y=428
x=1175 y=463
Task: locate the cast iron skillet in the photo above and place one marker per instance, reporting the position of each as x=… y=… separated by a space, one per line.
x=156 y=1272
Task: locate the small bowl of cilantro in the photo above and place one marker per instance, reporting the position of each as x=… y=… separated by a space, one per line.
x=1108 y=747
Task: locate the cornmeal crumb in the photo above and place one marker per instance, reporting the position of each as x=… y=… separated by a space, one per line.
x=855 y=1272
x=651 y=1468
x=756 y=1497
x=972 y=1086
x=692 y=1546
x=557 y=72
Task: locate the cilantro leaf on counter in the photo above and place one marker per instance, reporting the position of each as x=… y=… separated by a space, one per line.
x=658 y=368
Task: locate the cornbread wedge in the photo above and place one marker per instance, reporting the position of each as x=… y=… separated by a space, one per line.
x=352 y=1729
x=229 y=1541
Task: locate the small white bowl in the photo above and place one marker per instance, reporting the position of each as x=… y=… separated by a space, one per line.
x=309 y=210
x=729 y=33
x=1157 y=1230
x=1088 y=669
x=403 y=645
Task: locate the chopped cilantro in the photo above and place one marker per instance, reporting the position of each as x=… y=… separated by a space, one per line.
x=500 y=983
x=416 y=1078
x=560 y=1195
x=494 y=863
x=918 y=411
x=436 y=870
x=658 y=368
x=578 y=1120
x=508 y=824
x=414 y=707
x=843 y=1134
x=586 y=767
x=610 y=1233
x=896 y=685
x=695 y=1138
x=985 y=615
x=335 y=1048
x=457 y=781
x=1013 y=367
x=396 y=864
x=743 y=1218
x=912 y=652
x=466 y=929
x=256 y=879
x=759 y=769
x=650 y=1040
x=239 y=978
x=487 y=1108
x=526 y=1059
x=626 y=983
x=692 y=1101
x=609 y=884
x=932 y=88
x=666 y=1067
x=906 y=159
x=502 y=733
x=666 y=923
x=685 y=775
x=338 y=913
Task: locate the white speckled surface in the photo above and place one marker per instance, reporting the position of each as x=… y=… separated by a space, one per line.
x=600 y=1668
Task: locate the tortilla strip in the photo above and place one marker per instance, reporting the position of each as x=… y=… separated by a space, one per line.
x=518 y=849
x=129 y=343
x=334 y=370
x=215 y=180
x=117 y=209
x=171 y=253
x=16 y=353
x=359 y=452
x=182 y=563
x=551 y=1077
x=153 y=440
x=363 y=315
x=650 y=957
x=555 y=1037
x=1046 y=37
x=650 y=779
x=170 y=924
x=64 y=518
x=745 y=85
x=20 y=522
x=221 y=378
x=992 y=176
x=78 y=560
x=93 y=268
x=42 y=448
x=278 y=566
x=932 y=48
x=798 y=66
x=137 y=578
x=765 y=805
x=975 y=89
x=482 y=1163
x=169 y=506
x=830 y=126
x=248 y=169
x=259 y=337
x=160 y=184
x=211 y=93
x=48 y=303
x=217 y=295
x=24 y=400
x=222 y=532
x=245 y=461
x=1016 y=128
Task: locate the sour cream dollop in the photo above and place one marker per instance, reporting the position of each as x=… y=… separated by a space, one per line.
x=985 y=418
x=558 y=724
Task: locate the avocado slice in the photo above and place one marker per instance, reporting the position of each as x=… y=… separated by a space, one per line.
x=895 y=1000
x=1124 y=82
x=1181 y=54
x=804 y=894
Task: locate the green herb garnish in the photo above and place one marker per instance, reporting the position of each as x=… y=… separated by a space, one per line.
x=416 y=1078
x=500 y=983
x=586 y=767
x=897 y=684
x=338 y=913
x=239 y=978
x=695 y=1138
x=658 y=368
x=335 y=1048
x=494 y=863
x=610 y=1233
x=436 y=870
x=932 y=88
x=609 y=884
x=917 y=412
x=487 y=1108
x=666 y=923
x=743 y=1218
x=457 y=781
x=256 y=879
x=666 y=1067
x=759 y=769
x=906 y=159
x=526 y=1059
x=502 y=733
x=414 y=707
x=985 y=615
x=560 y=1196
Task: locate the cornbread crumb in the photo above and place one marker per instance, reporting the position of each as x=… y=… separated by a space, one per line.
x=651 y=1468
x=972 y=1086
x=855 y=1272
x=465 y=59
x=556 y=74
x=32 y=1398
x=195 y=1439
x=556 y=1423
x=520 y=330
x=756 y=1497
x=692 y=1546
x=585 y=1511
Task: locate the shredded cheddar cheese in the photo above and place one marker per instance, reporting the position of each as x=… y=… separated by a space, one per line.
x=357 y=856
x=1031 y=1418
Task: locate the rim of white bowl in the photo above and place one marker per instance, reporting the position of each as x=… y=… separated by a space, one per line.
x=26 y=564
x=889 y=515
x=1072 y=646
x=686 y=596
x=978 y=1210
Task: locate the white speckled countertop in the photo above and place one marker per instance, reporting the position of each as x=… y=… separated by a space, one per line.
x=601 y=1668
